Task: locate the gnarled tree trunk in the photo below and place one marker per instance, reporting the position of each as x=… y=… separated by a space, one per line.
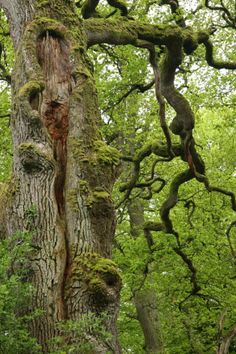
x=63 y=171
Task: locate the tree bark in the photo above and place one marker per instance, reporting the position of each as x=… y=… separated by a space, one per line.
x=63 y=172
x=145 y=299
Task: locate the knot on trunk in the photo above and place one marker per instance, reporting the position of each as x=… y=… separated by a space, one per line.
x=99 y=276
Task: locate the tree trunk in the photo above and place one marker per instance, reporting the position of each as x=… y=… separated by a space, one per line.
x=145 y=299
x=63 y=172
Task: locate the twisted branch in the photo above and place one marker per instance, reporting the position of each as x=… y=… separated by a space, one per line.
x=212 y=62
x=89 y=8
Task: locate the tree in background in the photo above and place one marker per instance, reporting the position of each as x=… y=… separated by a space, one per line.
x=63 y=172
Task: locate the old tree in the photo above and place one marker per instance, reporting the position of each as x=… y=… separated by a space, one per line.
x=64 y=171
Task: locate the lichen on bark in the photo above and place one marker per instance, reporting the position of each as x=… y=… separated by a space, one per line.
x=55 y=105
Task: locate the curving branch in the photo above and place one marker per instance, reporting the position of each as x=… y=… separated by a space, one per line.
x=193 y=271
x=89 y=8
x=158 y=92
x=183 y=123
x=153 y=148
x=233 y=252
x=135 y=87
x=172 y=199
x=203 y=179
x=176 y=11
x=123 y=31
x=190 y=205
x=160 y=99
x=226 y=14
x=177 y=41
x=120 y=5
x=212 y=62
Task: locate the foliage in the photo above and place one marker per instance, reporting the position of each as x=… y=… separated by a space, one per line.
x=72 y=337
x=191 y=321
x=6 y=62
x=15 y=295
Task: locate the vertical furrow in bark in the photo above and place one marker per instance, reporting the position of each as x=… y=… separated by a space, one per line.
x=53 y=55
x=65 y=172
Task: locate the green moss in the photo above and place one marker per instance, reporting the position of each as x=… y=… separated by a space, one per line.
x=190 y=41
x=34 y=148
x=102 y=194
x=83 y=186
x=30 y=88
x=42 y=21
x=43 y=24
x=67 y=13
x=153 y=226
x=106 y=154
x=42 y=3
x=71 y=198
x=76 y=146
x=102 y=152
x=82 y=69
x=97 y=195
x=35 y=158
x=97 y=273
x=105 y=265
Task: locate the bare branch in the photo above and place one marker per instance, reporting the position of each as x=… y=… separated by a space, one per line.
x=212 y=62
x=135 y=87
x=225 y=342
x=227 y=16
x=233 y=224
x=172 y=199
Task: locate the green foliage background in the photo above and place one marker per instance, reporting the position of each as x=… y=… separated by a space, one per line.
x=189 y=323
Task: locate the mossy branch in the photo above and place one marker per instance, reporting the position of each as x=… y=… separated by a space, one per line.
x=176 y=11
x=89 y=8
x=118 y=4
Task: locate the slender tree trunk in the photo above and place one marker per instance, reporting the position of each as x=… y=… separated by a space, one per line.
x=63 y=172
x=145 y=299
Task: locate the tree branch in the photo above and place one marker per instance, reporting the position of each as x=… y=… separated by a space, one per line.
x=176 y=11
x=156 y=149
x=18 y=13
x=225 y=342
x=212 y=62
x=89 y=8
x=233 y=224
x=135 y=87
x=230 y=19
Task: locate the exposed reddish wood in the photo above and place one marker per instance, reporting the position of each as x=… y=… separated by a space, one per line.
x=53 y=56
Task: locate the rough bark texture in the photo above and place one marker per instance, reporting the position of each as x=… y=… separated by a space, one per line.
x=18 y=13
x=63 y=173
